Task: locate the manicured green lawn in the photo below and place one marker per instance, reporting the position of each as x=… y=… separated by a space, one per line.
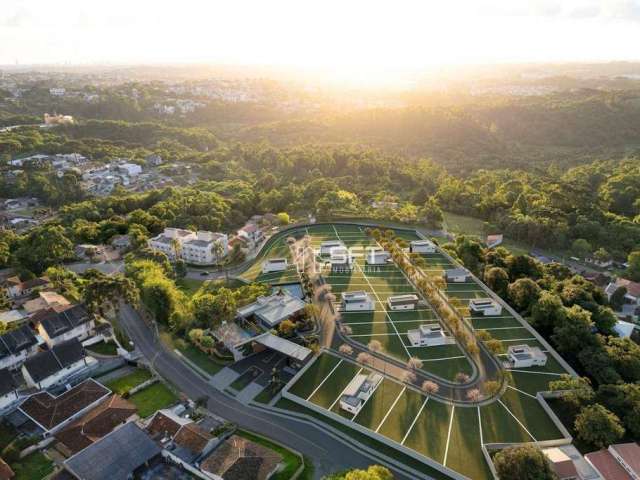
x=124 y=384
x=327 y=394
x=378 y=405
x=292 y=461
x=429 y=434
x=33 y=467
x=399 y=421
x=500 y=427
x=531 y=414
x=205 y=362
x=465 y=455
x=152 y=398
x=314 y=375
x=104 y=348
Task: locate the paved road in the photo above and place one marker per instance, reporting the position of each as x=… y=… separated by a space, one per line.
x=328 y=454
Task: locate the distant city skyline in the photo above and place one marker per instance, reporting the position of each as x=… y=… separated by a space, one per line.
x=352 y=38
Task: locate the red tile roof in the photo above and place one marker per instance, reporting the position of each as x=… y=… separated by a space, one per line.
x=633 y=288
x=161 y=424
x=630 y=453
x=607 y=465
x=96 y=424
x=5 y=471
x=50 y=412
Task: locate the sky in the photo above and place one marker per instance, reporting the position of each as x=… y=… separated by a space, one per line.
x=345 y=35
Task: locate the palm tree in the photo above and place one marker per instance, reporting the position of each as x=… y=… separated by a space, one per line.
x=177 y=248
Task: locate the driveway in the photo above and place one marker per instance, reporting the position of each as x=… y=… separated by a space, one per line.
x=327 y=453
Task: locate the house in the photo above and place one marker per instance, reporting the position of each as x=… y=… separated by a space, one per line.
x=116 y=456
x=618 y=462
x=422 y=246
x=357 y=301
x=130 y=169
x=403 y=302
x=201 y=251
x=523 y=356
x=52 y=413
x=153 y=160
x=58 y=119
x=494 y=240
x=597 y=278
x=633 y=290
x=358 y=391
x=377 y=257
x=57 y=365
x=569 y=464
x=457 y=275
x=624 y=329
x=272 y=310
x=485 y=306
x=121 y=242
x=16 y=346
x=251 y=235
x=43 y=301
x=341 y=261
x=59 y=324
x=8 y=389
x=274 y=265
x=239 y=458
x=106 y=417
x=427 y=336
x=57 y=91
x=181 y=439
x=171 y=238
x=12 y=318
x=17 y=288
x=327 y=247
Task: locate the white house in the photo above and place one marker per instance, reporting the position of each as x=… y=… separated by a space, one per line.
x=16 y=346
x=341 y=261
x=57 y=91
x=457 y=275
x=11 y=318
x=57 y=365
x=8 y=389
x=165 y=241
x=485 y=306
x=427 y=336
x=377 y=257
x=251 y=235
x=523 y=356
x=357 y=301
x=403 y=302
x=200 y=250
x=358 y=391
x=57 y=325
x=422 y=246
x=274 y=265
x=327 y=247
x=130 y=169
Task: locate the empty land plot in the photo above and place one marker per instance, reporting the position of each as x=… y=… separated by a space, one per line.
x=530 y=382
x=531 y=414
x=430 y=431
x=402 y=416
x=464 y=454
x=482 y=323
x=530 y=340
x=510 y=333
x=314 y=375
x=499 y=426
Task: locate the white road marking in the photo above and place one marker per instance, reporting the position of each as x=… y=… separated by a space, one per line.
x=516 y=419
x=338 y=397
x=446 y=450
x=414 y=421
x=324 y=379
x=391 y=408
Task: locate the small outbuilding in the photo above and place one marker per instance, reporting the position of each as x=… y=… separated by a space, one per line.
x=357 y=301
x=422 y=246
x=485 y=306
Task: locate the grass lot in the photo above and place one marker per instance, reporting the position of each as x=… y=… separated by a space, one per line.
x=124 y=384
x=207 y=363
x=33 y=467
x=292 y=461
x=153 y=398
x=104 y=348
x=189 y=285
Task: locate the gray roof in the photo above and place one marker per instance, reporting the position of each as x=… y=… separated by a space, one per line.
x=273 y=309
x=115 y=456
x=7 y=382
x=44 y=364
x=284 y=346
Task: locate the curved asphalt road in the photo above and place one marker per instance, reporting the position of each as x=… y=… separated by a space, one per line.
x=327 y=453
